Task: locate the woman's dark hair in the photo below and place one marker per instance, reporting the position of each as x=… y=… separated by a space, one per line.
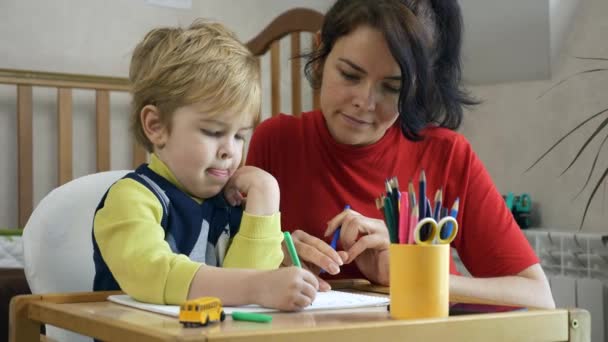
x=425 y=38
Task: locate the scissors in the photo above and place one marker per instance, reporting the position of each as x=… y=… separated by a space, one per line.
x=429 y=232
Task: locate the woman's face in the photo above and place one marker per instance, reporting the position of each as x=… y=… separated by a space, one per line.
x=360 y=87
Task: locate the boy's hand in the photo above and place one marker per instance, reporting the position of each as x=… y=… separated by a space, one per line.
x=287 y=288
x=258 y=186
x=315 y=254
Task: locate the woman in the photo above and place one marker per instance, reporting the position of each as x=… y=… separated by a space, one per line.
x=391 y=95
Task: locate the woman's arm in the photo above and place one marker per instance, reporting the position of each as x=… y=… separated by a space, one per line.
x=366 y=242
x=528 y=288
x=374 y=266
x=370 y=251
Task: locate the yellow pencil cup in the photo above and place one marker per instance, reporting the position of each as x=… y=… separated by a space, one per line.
x=419 y=280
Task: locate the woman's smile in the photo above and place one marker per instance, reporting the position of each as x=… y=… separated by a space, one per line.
x=354 y=122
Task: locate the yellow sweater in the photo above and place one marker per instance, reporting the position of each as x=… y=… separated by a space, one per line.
x=132 y=242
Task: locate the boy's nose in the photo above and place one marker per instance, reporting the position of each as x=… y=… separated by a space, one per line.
x=224 y=154
x=226 y=151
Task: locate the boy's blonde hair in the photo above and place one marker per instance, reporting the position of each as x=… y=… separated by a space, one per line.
x=175 y=67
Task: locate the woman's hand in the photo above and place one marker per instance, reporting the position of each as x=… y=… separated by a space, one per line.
x=315 y=254
x=365 y=241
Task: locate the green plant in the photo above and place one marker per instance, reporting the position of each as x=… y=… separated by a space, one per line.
x=600 y=129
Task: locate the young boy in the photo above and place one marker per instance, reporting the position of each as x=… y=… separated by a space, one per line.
x=162 y=232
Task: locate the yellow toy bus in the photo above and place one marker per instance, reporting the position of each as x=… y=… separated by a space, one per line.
x=201 y=311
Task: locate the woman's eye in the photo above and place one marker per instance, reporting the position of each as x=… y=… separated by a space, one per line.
x=391 y=89
x=348 y=76
x=239 y=137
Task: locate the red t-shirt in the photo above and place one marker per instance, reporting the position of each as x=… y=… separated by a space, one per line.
x=319 y=176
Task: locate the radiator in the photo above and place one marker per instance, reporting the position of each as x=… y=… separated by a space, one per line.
x=577 y=267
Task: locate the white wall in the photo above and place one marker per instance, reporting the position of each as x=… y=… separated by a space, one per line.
x=517 y=40
x=509 y=130
x=562 y=14
x=513 y=127
x=505 y=40
x=97 y=37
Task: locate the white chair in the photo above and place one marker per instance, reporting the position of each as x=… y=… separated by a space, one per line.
x=57 y=245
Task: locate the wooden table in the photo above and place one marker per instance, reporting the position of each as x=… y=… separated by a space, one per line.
x=91 y=314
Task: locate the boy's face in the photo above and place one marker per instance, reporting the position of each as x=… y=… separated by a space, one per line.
x=203 y=150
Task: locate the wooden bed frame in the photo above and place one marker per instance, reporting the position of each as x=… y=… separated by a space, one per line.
x=290 y=23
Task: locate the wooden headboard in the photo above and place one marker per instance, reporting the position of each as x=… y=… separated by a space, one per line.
x=291 y=23
x=24 y=81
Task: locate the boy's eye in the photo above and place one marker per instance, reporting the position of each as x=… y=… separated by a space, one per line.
x=218 y=134
x=211 y=133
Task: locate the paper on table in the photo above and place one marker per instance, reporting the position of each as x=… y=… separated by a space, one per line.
x=330 y=300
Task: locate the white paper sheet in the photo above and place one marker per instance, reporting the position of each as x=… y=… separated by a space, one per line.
x=330 y=300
